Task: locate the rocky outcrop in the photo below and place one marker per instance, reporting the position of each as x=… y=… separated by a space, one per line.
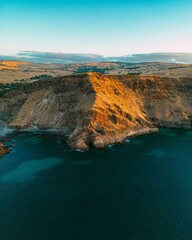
x=98 y=110
x=3 y=150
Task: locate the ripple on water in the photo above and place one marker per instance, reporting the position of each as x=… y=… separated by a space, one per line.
x=158 y=153
x=33 y=140
x=168 y=132
x=27 y=171
x=139 y=190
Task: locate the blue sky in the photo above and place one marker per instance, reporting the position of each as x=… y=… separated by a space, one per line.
x=103 y=27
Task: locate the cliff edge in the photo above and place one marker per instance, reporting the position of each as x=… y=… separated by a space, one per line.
x=97 y=110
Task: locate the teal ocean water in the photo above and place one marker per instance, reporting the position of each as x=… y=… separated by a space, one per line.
x=141 y=190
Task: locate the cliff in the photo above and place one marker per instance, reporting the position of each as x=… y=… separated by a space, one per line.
x=98 y=110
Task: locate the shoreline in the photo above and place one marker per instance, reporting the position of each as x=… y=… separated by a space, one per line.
x=100 y=142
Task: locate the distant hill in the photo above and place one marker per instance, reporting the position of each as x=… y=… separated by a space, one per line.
x=67 y=58
x=12 y=71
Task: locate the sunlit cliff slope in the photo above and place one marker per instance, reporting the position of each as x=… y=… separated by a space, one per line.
x=97 y=110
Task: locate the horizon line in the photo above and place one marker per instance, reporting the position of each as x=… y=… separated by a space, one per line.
x=17 y=53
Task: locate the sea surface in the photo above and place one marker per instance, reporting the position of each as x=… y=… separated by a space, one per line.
x=141 y=190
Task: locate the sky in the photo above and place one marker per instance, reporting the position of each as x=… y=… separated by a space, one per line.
x=107 y=27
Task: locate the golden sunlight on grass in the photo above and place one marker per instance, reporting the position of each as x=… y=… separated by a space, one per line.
x=11 y=65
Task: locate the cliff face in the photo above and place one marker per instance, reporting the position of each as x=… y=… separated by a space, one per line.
x=95 y=109
x=117 y=112
x=167 y=101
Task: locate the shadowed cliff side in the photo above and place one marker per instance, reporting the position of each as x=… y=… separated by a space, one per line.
x=167 y=101
x=95 y=109
x=62 y=103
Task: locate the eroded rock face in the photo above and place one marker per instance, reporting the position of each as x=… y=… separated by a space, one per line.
x=98 y=110
x=167 y=101
x=3 y=150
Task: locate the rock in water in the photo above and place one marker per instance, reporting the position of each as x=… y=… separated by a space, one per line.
x=3 y=150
